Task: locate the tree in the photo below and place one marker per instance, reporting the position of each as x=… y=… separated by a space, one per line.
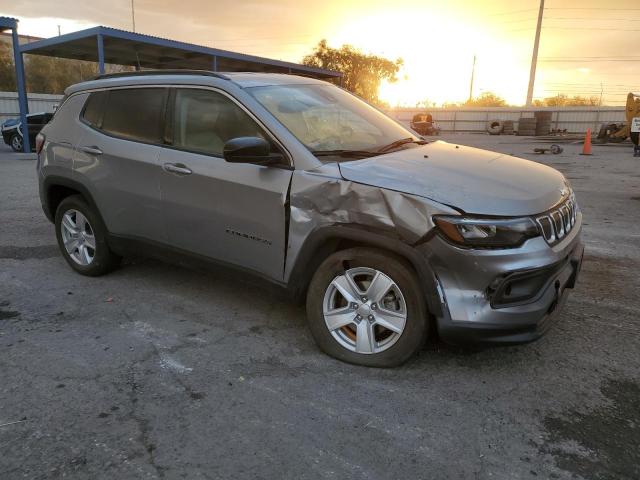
x=426 y=103
x=362 y=72
x=7 y=68
x=47 y=74
x=562 y=100
x=53 y=75
x=486 y=99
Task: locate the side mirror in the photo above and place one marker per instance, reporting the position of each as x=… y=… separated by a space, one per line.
x=250 y=150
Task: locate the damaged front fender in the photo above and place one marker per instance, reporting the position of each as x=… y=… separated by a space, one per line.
x=320 y=199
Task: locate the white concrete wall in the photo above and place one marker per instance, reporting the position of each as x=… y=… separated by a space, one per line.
x=574 y=119
x=38 y=102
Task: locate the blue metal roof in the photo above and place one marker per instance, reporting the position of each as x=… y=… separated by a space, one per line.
x=7 y=23
x=128 y=48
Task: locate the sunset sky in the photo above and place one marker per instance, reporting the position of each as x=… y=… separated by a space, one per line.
x=584 y=44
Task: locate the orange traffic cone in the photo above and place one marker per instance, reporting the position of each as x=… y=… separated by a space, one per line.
x=586 y=148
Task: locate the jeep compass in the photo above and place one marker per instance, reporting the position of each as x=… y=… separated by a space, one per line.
x=388 y=237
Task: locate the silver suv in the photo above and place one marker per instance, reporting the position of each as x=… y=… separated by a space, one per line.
x=388 y=237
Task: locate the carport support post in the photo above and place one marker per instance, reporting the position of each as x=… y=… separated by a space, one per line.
x=22 y=92
x=100 y=53
x=215 y=63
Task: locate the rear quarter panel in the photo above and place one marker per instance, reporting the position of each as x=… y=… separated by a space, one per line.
x=62 y=136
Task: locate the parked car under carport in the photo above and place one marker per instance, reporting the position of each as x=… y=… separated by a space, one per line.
x=12 y=131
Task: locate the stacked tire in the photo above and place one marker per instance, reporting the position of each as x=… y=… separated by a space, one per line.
x=495 y=127
x=527 y=126
x=543 y=123
x=507 y=127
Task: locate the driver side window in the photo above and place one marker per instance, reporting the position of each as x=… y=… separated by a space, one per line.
x=203 y=121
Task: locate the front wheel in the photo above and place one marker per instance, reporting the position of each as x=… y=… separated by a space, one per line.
x=364 y=306
x=16 y=142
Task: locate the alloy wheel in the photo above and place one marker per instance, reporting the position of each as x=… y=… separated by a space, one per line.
x=16 y=143
x=78 y=237
x=364 y=310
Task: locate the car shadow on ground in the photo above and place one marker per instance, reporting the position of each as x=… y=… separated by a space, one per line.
x=236 y=287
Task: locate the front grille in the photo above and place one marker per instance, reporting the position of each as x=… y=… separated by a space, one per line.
x=557 y=223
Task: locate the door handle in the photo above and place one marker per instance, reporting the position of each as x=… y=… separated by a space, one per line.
x=91 y=150
x=177 y=168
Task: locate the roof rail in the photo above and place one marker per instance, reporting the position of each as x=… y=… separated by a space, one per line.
x=141 y=73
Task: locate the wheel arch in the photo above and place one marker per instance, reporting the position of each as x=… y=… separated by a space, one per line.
x=58 y=188
x=327 y=240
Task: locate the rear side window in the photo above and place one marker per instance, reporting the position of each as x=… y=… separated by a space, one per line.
x=93 y=109
x=134 y=114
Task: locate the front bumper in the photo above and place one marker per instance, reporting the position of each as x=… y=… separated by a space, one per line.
x=505 y=296
x=6 y=136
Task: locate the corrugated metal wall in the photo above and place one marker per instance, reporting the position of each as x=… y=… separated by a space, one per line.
x=573 y=119
x=38 y=102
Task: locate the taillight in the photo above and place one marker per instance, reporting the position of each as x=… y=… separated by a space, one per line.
x=39 y=142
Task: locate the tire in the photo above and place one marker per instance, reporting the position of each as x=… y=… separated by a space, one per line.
x=556 y=149
x=90 y=254
x=495 y=127
x=388 y=348
x=16 y=142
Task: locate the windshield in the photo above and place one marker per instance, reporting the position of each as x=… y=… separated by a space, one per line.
x=327 y=119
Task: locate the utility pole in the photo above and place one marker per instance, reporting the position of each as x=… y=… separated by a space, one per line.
x=534 y=57
x=473 y=71
x=133 y=17
x=58 y=30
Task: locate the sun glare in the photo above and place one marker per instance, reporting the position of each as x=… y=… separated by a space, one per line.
x=436 y=40
x=437 y=64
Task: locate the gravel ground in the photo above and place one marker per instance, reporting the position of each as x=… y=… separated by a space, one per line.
x=157 y=371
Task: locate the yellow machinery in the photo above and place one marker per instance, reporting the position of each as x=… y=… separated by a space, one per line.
x=618 y=132
x=632 y=110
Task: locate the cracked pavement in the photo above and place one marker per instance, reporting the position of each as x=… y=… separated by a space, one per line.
x=158 y=371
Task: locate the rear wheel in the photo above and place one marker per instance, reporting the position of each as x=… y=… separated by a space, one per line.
x=82 y=238
x=16 y=142
x=364 y=306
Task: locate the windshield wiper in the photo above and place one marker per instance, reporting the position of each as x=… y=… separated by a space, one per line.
x=399 y=143
x=345 y=153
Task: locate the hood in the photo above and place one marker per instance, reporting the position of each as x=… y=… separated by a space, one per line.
x=10 y=123
x=473 y=180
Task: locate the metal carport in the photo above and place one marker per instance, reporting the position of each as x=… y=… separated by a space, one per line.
x=109 y=45
x=7 y=23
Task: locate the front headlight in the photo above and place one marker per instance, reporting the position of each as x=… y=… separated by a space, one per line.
x=486 y=232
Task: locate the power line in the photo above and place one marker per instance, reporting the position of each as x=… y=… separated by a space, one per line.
x=593 y=28
x=596 y=56
x=595 y=19
x=588 y=85
x=596 y=8
x=592 y=60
